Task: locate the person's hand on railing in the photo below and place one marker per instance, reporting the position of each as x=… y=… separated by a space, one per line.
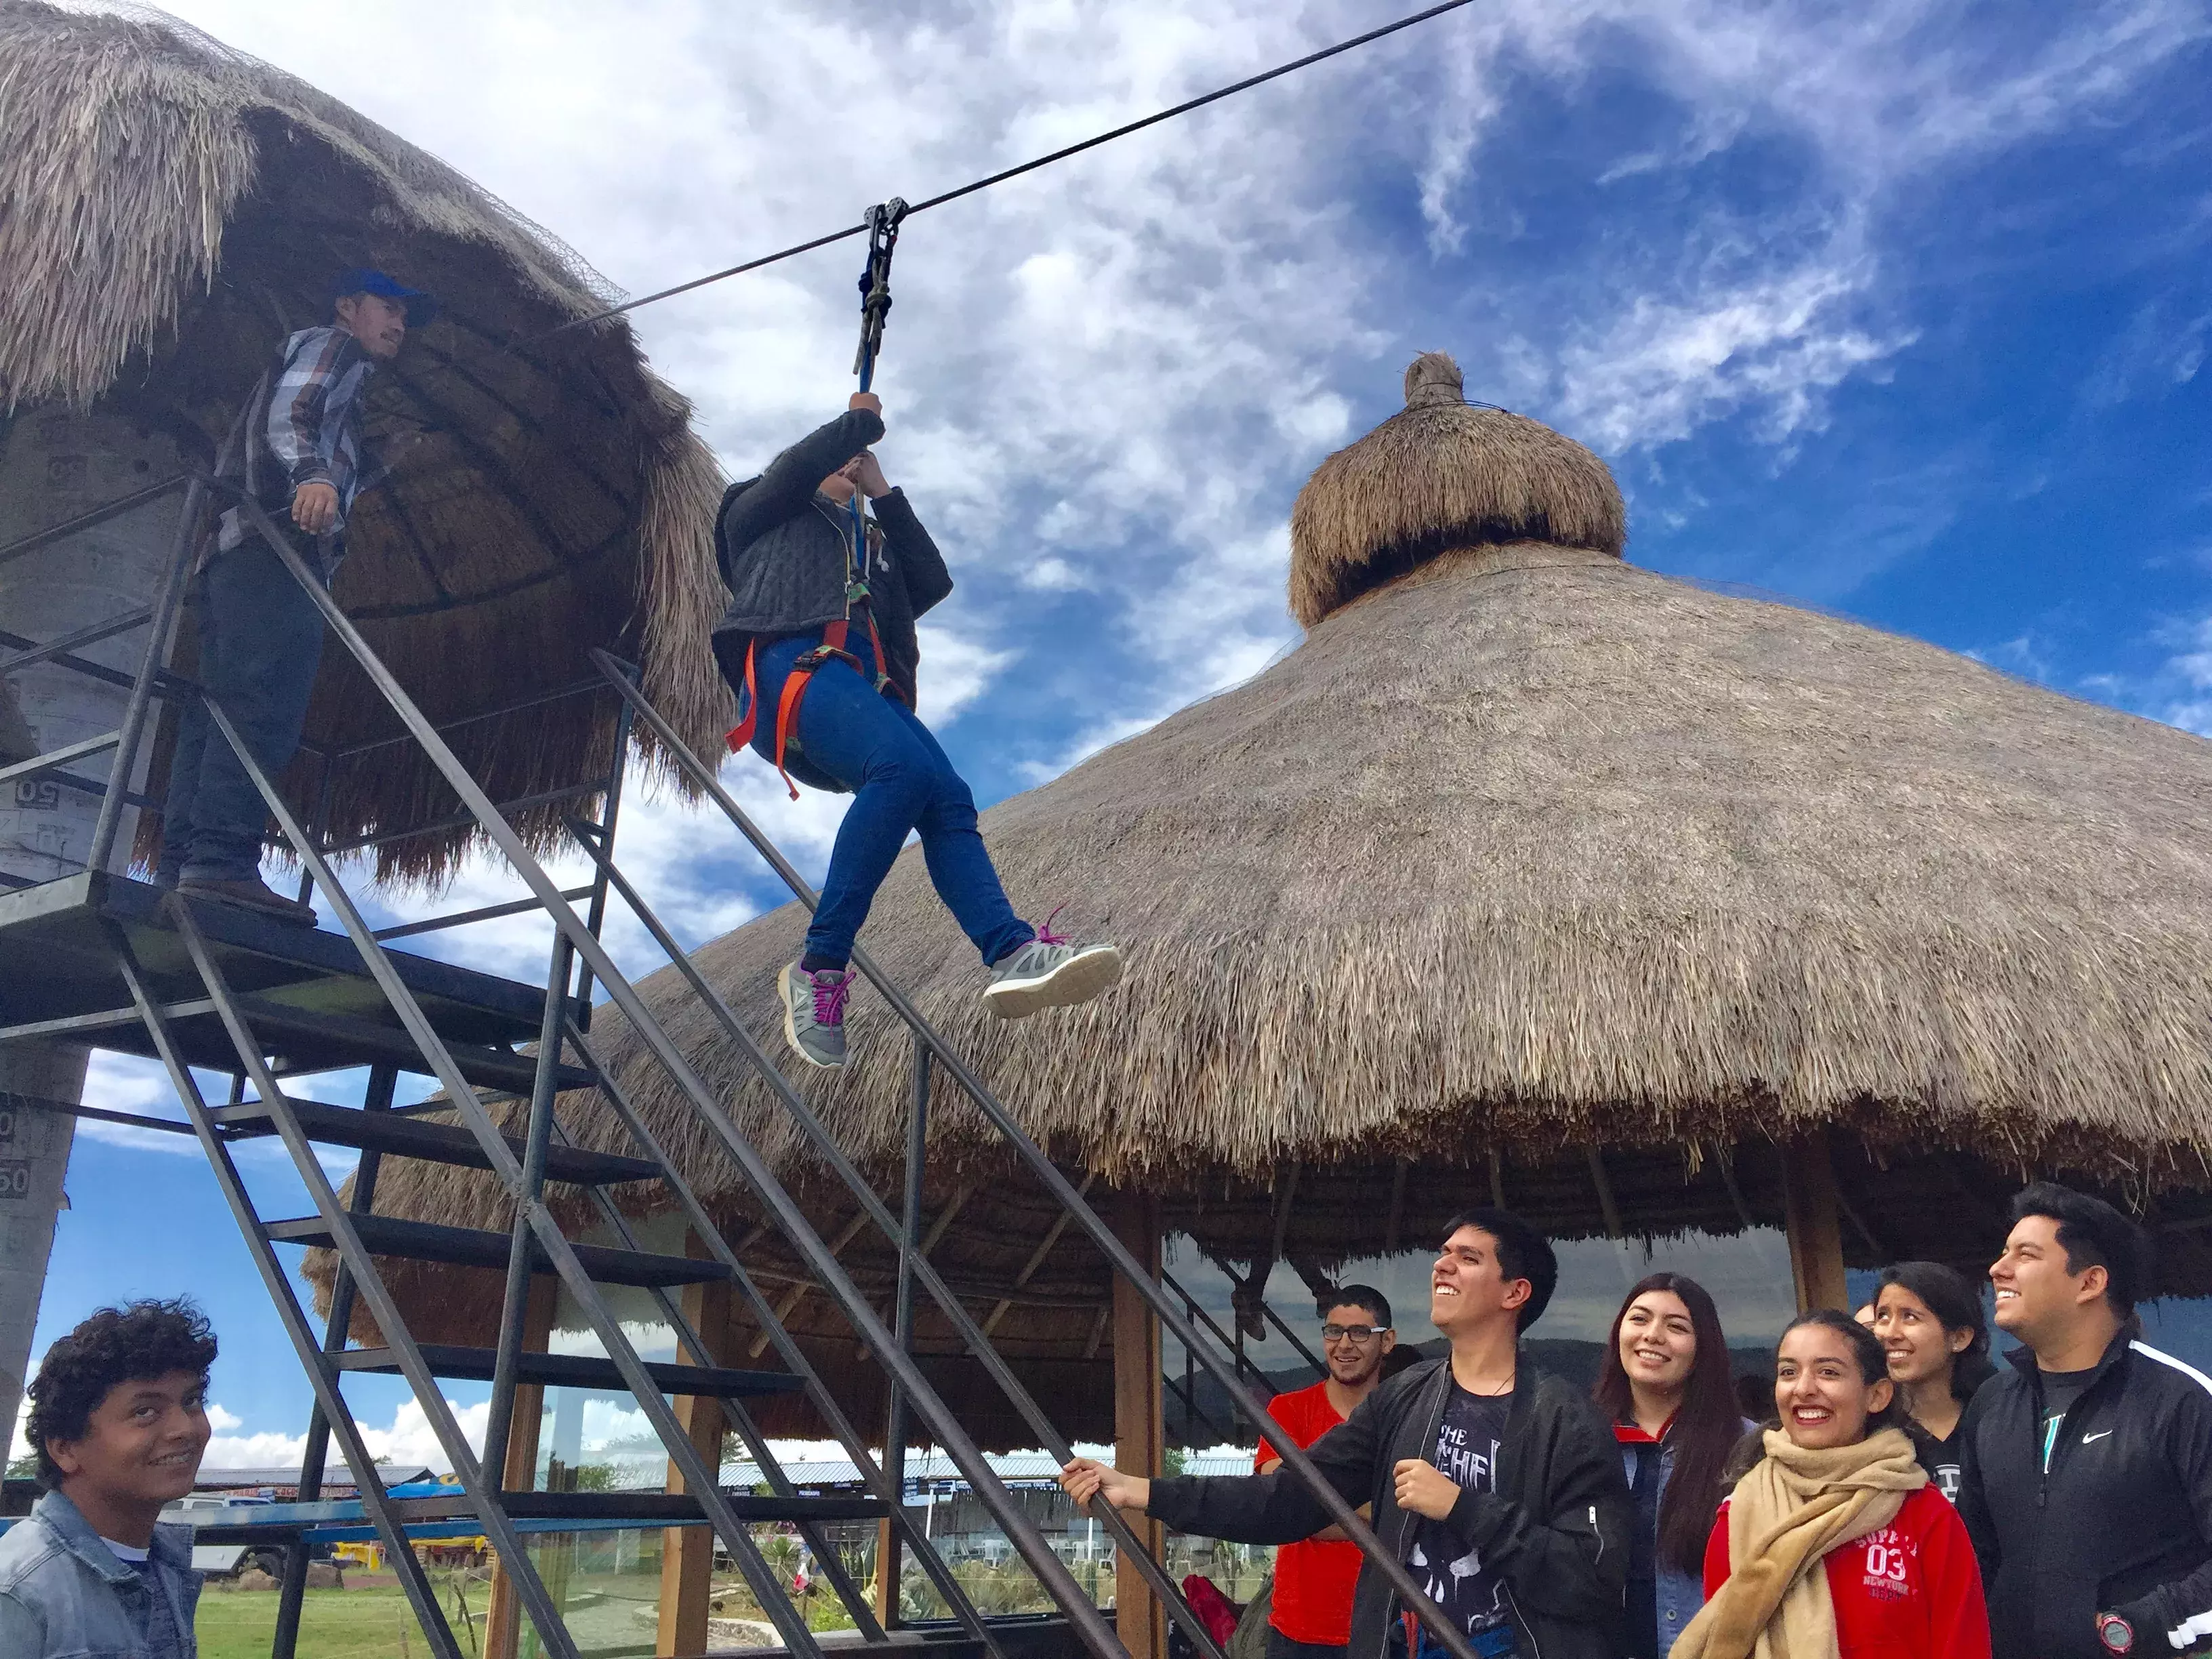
x=315 y=508
x=1086 y=1478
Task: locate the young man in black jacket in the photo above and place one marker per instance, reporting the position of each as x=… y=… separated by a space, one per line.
x=1497 y=1486
x=821 y=651
x=2086 y=1481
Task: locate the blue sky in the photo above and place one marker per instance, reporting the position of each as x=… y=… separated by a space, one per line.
x=1901 y=309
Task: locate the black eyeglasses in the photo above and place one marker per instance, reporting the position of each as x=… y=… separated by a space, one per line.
x=1353 y=1332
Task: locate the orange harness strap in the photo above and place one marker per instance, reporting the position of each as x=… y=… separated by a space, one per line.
x=794 y=690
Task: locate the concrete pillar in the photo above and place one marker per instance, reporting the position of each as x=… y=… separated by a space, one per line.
x=34 y=1149
x=55 y=464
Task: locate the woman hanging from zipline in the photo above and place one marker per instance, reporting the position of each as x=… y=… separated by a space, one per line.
x=819 y=644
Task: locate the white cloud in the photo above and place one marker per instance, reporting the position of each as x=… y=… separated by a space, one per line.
x=407 y=1443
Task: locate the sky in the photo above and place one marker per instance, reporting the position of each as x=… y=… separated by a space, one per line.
x=1898 y=308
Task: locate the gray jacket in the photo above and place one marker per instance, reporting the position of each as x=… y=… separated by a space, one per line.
x=63 y=1594
x=782 y=549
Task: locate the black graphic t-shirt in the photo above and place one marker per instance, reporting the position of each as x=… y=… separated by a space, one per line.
x=1467 y=1444
x=1942 y=1458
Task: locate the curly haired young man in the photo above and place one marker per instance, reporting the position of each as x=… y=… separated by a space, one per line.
x=119 y=1421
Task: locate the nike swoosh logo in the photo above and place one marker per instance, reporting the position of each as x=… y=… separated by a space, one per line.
x=2099 y=1435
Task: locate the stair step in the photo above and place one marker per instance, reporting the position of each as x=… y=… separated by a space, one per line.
x=576 y=1370
x=313 y=1041
x=535 y=1511
x=471 y=1247
x=437 y=1143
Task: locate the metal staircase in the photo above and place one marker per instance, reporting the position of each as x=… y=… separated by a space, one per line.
x=205 y=986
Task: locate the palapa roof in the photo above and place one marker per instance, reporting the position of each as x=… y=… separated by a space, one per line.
x=1525 y=853
x=170 y=208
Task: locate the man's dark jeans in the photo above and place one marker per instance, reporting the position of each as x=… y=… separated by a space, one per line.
x=261 y=638
x=900 y=782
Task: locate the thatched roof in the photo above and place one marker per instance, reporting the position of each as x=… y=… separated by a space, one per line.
x=1522 y=853
x=1443 y=473
x=169 y=209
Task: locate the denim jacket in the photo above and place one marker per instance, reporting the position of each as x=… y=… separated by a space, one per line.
x=63 y=1594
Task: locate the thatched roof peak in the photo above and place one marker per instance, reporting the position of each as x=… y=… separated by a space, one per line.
x=1443 y=473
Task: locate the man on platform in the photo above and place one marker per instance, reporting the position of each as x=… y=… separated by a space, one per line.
x=1311 y=1614
x=260 y=636
x=1499 y=1486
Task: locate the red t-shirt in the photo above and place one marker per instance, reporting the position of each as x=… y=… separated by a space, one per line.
x=1313 y=1581
x=1909 y=1590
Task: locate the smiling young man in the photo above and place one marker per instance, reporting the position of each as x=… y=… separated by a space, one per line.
x=1309 y=1615
x=1499 y=1486
x=260 y=636
x=119 y=1420
x=2087 y=1473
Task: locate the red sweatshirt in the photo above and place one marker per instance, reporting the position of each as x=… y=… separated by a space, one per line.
x=1909 y=1590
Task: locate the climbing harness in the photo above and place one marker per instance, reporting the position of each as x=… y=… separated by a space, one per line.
x=875 y=304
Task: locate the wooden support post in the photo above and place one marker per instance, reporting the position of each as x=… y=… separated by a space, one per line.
x=503 y=1624
x=687 y=1553
x=1816 y=1239
x=1139 y=1425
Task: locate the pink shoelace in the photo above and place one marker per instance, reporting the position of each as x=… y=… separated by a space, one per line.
x=1044 y=933
x=831 y=990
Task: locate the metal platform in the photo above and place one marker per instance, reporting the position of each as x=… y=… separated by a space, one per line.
x=310 y=994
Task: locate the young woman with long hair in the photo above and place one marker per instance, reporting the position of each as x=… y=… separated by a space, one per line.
x=1929 y=1320
x=1835 y=1546
x=1664 y=1384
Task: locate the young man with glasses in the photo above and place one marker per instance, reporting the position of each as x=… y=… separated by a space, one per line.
x=1311 y=1614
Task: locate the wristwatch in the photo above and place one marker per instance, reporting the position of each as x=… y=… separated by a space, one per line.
x=2115 y=1633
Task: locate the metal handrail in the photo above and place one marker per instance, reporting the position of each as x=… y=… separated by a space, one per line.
x=790 y=1218
x=1118 y=1255
x=911 y=1260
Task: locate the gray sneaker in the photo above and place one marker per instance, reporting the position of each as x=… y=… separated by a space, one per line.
x=814 y=1013
x=1051 y=972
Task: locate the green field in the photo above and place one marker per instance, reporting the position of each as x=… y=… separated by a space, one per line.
x=348 y=1623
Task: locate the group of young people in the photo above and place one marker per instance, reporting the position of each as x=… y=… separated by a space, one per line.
x=1896 y=1496
x=828 y=568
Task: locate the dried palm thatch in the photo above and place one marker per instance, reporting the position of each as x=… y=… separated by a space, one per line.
x=170 y=208
x=1532 y=873
x=1443 y=473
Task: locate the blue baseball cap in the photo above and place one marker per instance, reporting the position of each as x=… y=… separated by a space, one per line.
x=421 y=307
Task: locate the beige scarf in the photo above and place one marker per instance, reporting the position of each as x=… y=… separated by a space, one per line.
x=1785 y=1515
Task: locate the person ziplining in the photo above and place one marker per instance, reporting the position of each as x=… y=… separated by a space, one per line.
x=819 y=644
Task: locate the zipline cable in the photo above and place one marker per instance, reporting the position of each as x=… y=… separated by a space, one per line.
x=1000 y=178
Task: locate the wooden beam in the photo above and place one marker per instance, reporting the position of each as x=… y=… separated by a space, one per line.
x=1140 y=1423
x=1496 y=1178
x=687 y=1553
x=503 y=1624
x=1816 y=1240
x=797 y=1294
x=1037 y=1256
x=1396 y=1216
x=1606 y=1205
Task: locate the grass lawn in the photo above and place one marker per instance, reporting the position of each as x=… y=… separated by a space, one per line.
x=348 y=1623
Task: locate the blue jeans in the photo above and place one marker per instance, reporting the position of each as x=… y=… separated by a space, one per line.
x=261 y=638
x=901 y=781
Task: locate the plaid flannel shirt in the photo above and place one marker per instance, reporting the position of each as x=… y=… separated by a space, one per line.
x=311 y=433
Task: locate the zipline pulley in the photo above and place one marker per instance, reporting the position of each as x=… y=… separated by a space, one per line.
x=876 y=285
